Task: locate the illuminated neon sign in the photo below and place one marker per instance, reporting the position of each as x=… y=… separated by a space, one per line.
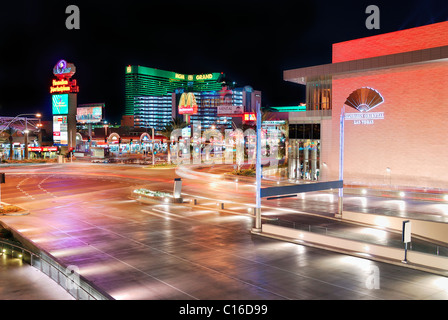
x=187 y=104
x=204 y=76
x=62 y=69
x=60 y=104
x=44 y=149
x=64 y=86
x=250 y=116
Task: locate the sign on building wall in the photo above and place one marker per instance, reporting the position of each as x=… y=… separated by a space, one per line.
x=229 y=110
x=364 y=99
x=187 y=104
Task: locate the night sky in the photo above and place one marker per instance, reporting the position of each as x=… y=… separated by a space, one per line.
x=252 y=42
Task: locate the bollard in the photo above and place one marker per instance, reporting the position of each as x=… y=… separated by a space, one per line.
x=177 y=190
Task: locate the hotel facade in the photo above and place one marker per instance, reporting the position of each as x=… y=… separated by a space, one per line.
x=392 y=90
x=153 y=98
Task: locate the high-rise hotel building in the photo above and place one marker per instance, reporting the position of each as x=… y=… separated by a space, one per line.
x=152 y=97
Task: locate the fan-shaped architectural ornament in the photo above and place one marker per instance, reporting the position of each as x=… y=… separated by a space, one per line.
x=364 y=99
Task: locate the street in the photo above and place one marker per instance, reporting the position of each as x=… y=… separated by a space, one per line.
x=84 y=215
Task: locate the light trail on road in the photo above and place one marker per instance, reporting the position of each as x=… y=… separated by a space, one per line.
x=190 y=247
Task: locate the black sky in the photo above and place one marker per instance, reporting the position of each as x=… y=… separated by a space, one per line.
x=252 y=42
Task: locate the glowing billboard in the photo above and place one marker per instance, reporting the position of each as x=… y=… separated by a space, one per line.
x=187 y=104
x=92 y=114
x=60 y=131
x=60 y=103
x=230 y=110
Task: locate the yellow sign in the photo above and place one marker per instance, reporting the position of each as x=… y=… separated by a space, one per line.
x=179 y=76
x=60 y=82
x=204 y=76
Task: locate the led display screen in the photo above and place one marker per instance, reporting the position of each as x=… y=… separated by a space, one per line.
x=89 y=114
x=60 y=131
x=60 y=104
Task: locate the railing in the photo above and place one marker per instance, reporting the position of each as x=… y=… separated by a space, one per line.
x=65 y=277
x=376 y=236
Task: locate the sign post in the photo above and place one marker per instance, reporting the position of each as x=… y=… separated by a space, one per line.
x=406 y=237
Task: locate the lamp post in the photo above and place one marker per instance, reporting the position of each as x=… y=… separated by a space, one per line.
x=341 y=163
x=153 y=155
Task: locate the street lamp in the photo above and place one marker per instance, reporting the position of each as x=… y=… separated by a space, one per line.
x=37 y=115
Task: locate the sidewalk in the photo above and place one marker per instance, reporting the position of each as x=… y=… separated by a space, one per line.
x=20 y=281
x=315 y=212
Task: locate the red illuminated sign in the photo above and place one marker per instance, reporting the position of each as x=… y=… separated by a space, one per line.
x=63 y=86
x=44 y=149
x=187 y=104
x=250 y=116
x=64 y=70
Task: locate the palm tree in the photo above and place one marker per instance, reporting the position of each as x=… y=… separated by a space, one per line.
x=175 y=123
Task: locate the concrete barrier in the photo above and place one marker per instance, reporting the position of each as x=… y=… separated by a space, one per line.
x=437 y=231
x=357 y=248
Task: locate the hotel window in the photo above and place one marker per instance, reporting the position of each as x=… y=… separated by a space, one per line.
x=304 y=131
x=318 y=93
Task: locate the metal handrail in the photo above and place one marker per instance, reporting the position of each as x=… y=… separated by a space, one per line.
x=57 y=267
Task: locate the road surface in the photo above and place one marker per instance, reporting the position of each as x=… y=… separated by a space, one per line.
x=83 y=215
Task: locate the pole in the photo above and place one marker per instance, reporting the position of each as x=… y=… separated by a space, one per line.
x=71 y=144
x=26 y=139
x=89 y=126
x=341 y=162
x=258 y=173
x=405 y=253
x=153 y=156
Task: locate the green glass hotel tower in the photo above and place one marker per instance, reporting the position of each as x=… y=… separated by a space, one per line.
x=150 y=93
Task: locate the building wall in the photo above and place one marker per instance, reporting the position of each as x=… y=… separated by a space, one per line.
x=425 y=37
x=127 y=121
x=411 y=140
